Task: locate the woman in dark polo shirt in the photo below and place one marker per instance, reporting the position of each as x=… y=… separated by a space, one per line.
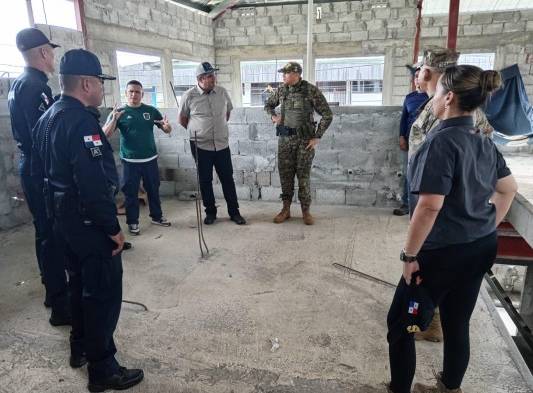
x=461 y=190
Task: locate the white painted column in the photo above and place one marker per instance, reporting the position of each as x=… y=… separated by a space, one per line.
x=167 y=76
x=310 y=61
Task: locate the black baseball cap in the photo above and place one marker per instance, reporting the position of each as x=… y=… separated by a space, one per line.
x=32 y=38
x=82 y=62
x=205 y=68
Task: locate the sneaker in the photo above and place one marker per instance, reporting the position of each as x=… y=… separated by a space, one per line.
x=401 y=211
x=162 y=221
x=124 y=379
x=134 y=229
x=238 y=219
x=209 y=219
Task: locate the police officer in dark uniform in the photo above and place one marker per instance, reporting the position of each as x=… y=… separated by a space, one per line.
x=28 y=99
x=81 y=172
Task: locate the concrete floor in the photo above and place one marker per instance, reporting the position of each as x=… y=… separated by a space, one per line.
x=210 y=322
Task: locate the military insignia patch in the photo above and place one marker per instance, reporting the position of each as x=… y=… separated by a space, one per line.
x=92 y=141
x=146 y=116
x=95 y=152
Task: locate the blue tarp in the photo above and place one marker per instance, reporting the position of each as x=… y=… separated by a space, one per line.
x=509 y=110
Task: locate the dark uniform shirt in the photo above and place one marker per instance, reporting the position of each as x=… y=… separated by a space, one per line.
x=459 y=162
x=411 y=104
x=78 y=160
x=28 y=99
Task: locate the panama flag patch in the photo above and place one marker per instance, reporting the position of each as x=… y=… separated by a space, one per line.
x=413 y=308
x=92 y=141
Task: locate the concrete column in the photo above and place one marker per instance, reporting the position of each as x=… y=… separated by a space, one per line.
x=310 y=61
x=526 y=303
x=167 y=76
x=29 y=9
x=348 y=98
x=388 y=76
x=236 y=83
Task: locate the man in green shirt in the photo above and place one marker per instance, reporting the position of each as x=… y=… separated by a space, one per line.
x=138 y=153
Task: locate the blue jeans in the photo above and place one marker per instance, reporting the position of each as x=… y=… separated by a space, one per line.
x=149 y=173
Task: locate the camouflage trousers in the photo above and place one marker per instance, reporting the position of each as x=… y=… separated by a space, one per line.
x=294 y=159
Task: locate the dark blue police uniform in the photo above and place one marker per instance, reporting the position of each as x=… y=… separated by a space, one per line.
x=29 y=97
x=82 y=175
x=81 y=172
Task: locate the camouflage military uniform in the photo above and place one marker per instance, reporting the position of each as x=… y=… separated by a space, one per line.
x=427 y=121
x=297 y=105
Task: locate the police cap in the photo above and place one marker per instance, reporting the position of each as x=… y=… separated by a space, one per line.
x=32 y=38
x=82 y=62
x=291 y=66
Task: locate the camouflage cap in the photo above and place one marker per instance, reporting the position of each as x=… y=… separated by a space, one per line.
x=291 y=66
x=440 y=58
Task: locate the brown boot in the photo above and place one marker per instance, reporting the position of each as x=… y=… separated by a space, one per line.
x=433 y=332
x=308 y=218
x=437 y=388
x=284 y=214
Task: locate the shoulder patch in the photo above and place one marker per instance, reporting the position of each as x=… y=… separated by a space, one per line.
x=92 y=141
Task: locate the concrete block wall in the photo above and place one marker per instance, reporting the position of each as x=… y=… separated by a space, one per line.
x=150 y=27
x=357 y=162
x=355 y=29
x=13 y=209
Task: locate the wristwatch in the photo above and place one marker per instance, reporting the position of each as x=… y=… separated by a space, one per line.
x=407 y=258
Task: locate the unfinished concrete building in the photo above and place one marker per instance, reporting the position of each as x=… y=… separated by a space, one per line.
x=274 y=308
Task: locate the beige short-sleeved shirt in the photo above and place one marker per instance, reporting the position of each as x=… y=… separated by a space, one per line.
x=207 y=116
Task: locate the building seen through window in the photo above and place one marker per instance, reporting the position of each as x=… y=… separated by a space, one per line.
x=184 y=76
x=259 y=78
x=147 y=70
x=484 y=61
x=351 y=81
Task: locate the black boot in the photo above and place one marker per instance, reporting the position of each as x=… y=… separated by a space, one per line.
x=122 y=380
x=77 y=352
x=61 y=314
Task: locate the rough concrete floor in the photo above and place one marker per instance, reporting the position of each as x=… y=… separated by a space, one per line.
x=210 y=322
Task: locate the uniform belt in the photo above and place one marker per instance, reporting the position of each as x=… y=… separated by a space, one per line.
x=285 y=131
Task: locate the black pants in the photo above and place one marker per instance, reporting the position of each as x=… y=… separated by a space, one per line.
x=452 y=276
x=221 y=160
x=149 y=173
x=96 y=295
x=50 y=258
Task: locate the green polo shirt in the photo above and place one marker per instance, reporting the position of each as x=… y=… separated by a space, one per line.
x=136 y=125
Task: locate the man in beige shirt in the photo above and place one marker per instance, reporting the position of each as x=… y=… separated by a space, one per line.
x=204 y=111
